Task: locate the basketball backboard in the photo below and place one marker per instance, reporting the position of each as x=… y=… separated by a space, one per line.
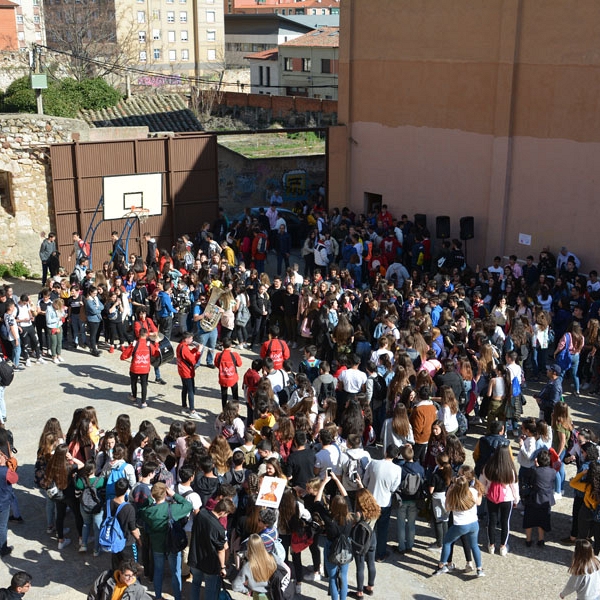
x=122 y=192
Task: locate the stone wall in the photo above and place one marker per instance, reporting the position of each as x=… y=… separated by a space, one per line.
x=26 y=193
x=13 y=65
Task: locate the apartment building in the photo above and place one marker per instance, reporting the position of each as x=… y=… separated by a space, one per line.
x=30 y=25
x=284 y=7
x=8 y=25
x=308 y=65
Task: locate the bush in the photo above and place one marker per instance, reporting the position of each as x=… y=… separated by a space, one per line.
x=64 y=98
x=17 y=269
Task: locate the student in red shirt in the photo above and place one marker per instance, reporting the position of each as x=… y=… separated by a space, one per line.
x=188 y=354
x=250 y=385
x=143 y=320
x=140 y=352
x=227 y=362
x=275 y=349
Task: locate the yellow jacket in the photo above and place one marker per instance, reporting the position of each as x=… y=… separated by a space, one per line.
x=584 y=487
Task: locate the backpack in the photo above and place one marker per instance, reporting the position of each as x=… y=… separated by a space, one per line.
x=360 y=536
x=341 y=551
x=310 y=369
x=327 y=390
x=494 y=493
x=285 y=393
x=411 y=485
x=112 y=538
x=516 y=386
x=278 y=549
x=350 y=469
x=85 y=248
x=280 y=585
x=249 y=456
x=7 y=374
x=158 y=305
x=176 y=535
x=261 y=246
x=463 y=424
x=563 y=360
x=379 y=391
x=113 y=476
x=91 y=501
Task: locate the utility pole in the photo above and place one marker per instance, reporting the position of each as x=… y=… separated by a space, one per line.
x=39 y=80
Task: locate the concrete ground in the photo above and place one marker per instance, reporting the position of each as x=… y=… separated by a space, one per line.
x=43 y=391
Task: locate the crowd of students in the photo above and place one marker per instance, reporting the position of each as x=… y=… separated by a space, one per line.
x=404 y=350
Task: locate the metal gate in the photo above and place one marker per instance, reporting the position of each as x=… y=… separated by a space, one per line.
x=190 y=192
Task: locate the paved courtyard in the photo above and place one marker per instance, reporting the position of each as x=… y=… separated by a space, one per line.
x=43 y=391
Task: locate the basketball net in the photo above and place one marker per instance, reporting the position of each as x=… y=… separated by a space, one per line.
x=139 y=213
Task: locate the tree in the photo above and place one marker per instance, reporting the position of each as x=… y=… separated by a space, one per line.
x=91 y=38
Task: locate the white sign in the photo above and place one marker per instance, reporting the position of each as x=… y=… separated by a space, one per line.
x=271 y=490
x=524 y=239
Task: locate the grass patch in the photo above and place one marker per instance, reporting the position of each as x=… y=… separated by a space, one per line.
x=275 y=145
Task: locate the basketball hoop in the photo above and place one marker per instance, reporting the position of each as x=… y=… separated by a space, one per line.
x=139 y=213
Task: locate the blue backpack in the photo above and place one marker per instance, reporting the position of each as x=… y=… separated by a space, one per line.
x=112 y=538
x=563 y=360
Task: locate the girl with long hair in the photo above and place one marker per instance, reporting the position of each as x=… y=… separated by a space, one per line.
x=60 y=470
x=435 y=446
x=122 y=429
x=562 y=426
x=574 y=340
x=397 y=430
x=540 y=341
x=502 y=492
x=462 y=500
x=220 y=451
x=368 y=510
x=448 y=409
x=584 y=572
x=499 y=388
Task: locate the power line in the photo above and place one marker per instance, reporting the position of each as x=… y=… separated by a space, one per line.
x=135 y=70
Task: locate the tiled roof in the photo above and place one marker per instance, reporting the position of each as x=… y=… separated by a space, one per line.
x=325 y=36
x=7 y=4
x=264 y=55
x=165 y=112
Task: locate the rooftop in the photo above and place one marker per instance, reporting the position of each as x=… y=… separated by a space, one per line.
x=264 y=55
x=325 y=36
x=164 y=112
x=8 y=4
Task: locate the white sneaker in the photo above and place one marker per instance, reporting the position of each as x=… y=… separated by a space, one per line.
x=41 y=361
x=56 y=361
x=28 y=362
x=64 y=543
x=557 y=496
x=503 y=550
x=61 y=359
x=82 y=548
x=468 y=567
x=314 y=576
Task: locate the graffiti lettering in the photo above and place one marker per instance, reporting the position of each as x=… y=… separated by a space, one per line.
x=158 y=81
x=294 y=184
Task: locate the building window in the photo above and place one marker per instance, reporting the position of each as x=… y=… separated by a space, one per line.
x=171 y=36
x=172 y=54
x=21 y=36
x=325 y=65
x=36 y=2
x=185 y=55
x=19 y=19
x=184 y=35
x=260 y=75
x=210 y=16
x=212 y=54
x=183 y=16
x=288 y=64
x=306 y=65
x=211 y=35
x=141 y=37
x=36 y=18
x=143 y=56
x=268 y=76
x=314 y=11
x=156 y=15
x=141 y=16
x=156 y=34
x=170 y=17
x=156 y=53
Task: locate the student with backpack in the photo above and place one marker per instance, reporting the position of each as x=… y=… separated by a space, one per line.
x=338 y=550
x=325 y=384
x=91 y=504
x=376 y=390
x=364 y=541
x=310 y=365
x=228 y=361
x=274 y=348
x=411 y=486
x=117 y=468
x=354 y=462
x=140 y=353
x=157 y=517
x=257 y=574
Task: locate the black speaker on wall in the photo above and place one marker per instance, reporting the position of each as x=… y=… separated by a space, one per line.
x=442 y=227
x=420 y=221
x=467 y=228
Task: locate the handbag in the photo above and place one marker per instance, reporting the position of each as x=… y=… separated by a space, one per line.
x=242 y=316
x=55 y=493
x=300 y=541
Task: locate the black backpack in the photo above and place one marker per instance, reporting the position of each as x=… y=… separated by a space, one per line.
x=176 y=535
x=327 y=390
x=7 y=374
x=280 y=584
x=91 y=500
x=342 y=551
x=379 y=391
x=361 y=536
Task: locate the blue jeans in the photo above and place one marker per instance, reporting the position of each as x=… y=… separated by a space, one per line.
x=2 y=405
x=16 y=353
x=382 y=527
x=406 y=517
x=338 y=592
x=574 y=368
x=4 y=514
x=471 y=531
x=559 y=480
x=159 y=570
x=360 y=561
x=213 y=585
x=91 y=523
x=78 y=330
x=209 y=340
x=540 y=357
x=259 y=265
x=50 y=512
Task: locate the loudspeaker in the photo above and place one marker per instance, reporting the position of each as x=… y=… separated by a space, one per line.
x=421 y=221
x=442 y=227
x=467 y=228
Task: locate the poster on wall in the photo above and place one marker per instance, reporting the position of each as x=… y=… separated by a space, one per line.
x=524 y=239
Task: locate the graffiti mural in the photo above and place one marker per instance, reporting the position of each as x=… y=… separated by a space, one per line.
x=295 y=185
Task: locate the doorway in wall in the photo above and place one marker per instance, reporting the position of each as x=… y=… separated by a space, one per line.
x=372 y=202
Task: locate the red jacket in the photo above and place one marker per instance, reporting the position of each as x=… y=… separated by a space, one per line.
x=186 y=360
x=148 y=324
x=277 y=350
x=228 y=361
x=140 y=356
